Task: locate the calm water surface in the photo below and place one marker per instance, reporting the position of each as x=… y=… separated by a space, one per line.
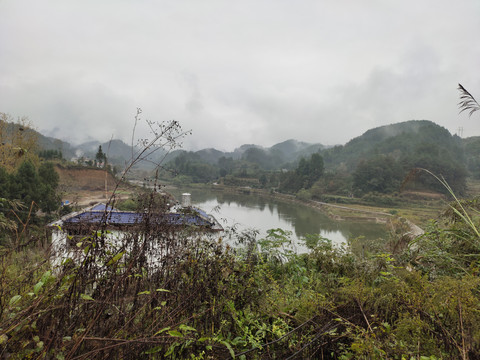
x=259 y=213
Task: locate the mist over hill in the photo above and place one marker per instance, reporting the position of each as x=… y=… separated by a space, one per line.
x=409 y=139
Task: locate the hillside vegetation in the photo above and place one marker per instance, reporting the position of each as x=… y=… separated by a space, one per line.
x=378 y=161
x=393 y=298
x=376 y=167
x=402 y=140
x=258 y=301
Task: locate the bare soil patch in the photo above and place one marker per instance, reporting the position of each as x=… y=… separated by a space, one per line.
x=85 y=186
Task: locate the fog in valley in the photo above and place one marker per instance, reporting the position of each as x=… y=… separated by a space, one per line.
x=237 y=73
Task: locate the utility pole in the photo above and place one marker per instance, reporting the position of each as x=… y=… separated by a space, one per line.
x=460 y=131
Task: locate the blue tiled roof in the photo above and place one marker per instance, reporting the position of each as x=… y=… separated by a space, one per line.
x=102 y=207
x=201 y=212
x=186 y=219
x=112 y=217
x=120 y=218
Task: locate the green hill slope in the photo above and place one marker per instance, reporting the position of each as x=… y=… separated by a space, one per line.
x=406 y=139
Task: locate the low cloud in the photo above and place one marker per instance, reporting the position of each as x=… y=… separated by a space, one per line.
x=238 y=73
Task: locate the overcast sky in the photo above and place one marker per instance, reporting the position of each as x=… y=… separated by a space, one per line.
x=235 y=72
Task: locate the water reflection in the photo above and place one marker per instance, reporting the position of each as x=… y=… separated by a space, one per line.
x=255 y=212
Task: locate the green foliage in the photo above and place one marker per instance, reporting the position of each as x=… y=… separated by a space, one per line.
x=202 y=299
x=29 y=185
x=49 y=179
x=50 y=154
x=380 y=159
x=265 y=160
x=25 y=183
x=305 y=175
x=304 y=195
x=265 y=303
x=226 y=165
x=231 y=180
x=472 y=155
x=439 y=161
x=392 y=140
x=339 y=183
x=100 y=156
x=376 y=162
x=18 y=142
x=263 y=165
x=22 y=194
x=379 y=174
x=127 y=205
x=190 y=164
x=4 y=183
x=379 y=199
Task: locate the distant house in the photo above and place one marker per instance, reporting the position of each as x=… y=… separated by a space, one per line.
x=118 y=227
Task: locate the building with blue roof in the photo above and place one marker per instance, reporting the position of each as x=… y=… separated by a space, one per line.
x=119 y=226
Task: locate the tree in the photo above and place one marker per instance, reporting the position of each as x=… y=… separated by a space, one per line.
x=190 y=164
x=4 y=183
x=263 y=180
x=315 y=169
x=29 y=185
x=379 y=174
x=50 y=154
x=101 y=157
x=260 y=157
x=226 y=165
x=49 y=200
x=305 y=175
x=25 y=185
x=18 y=142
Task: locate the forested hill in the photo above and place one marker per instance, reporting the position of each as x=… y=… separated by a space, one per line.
x=410 y=139
x=410 y=143
x=274 y=157
x=472 y=155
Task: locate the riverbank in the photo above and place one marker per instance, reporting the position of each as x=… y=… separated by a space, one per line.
x=392 y=218
x=341 y=212
x=334 y=211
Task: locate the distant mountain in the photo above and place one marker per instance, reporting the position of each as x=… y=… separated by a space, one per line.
x=89 y=147
x=118 y=153
x=274 y=157
x=290 y=146
x=50 y=143
x=211 y=155
x=292 y=150
x=417 y=130
x=396 y=140
x=238 y=152
x=43 y=142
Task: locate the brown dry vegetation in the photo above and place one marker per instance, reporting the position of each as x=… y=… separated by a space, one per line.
x=83 y=185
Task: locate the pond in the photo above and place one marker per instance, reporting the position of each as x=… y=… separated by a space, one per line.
x=260 y=213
